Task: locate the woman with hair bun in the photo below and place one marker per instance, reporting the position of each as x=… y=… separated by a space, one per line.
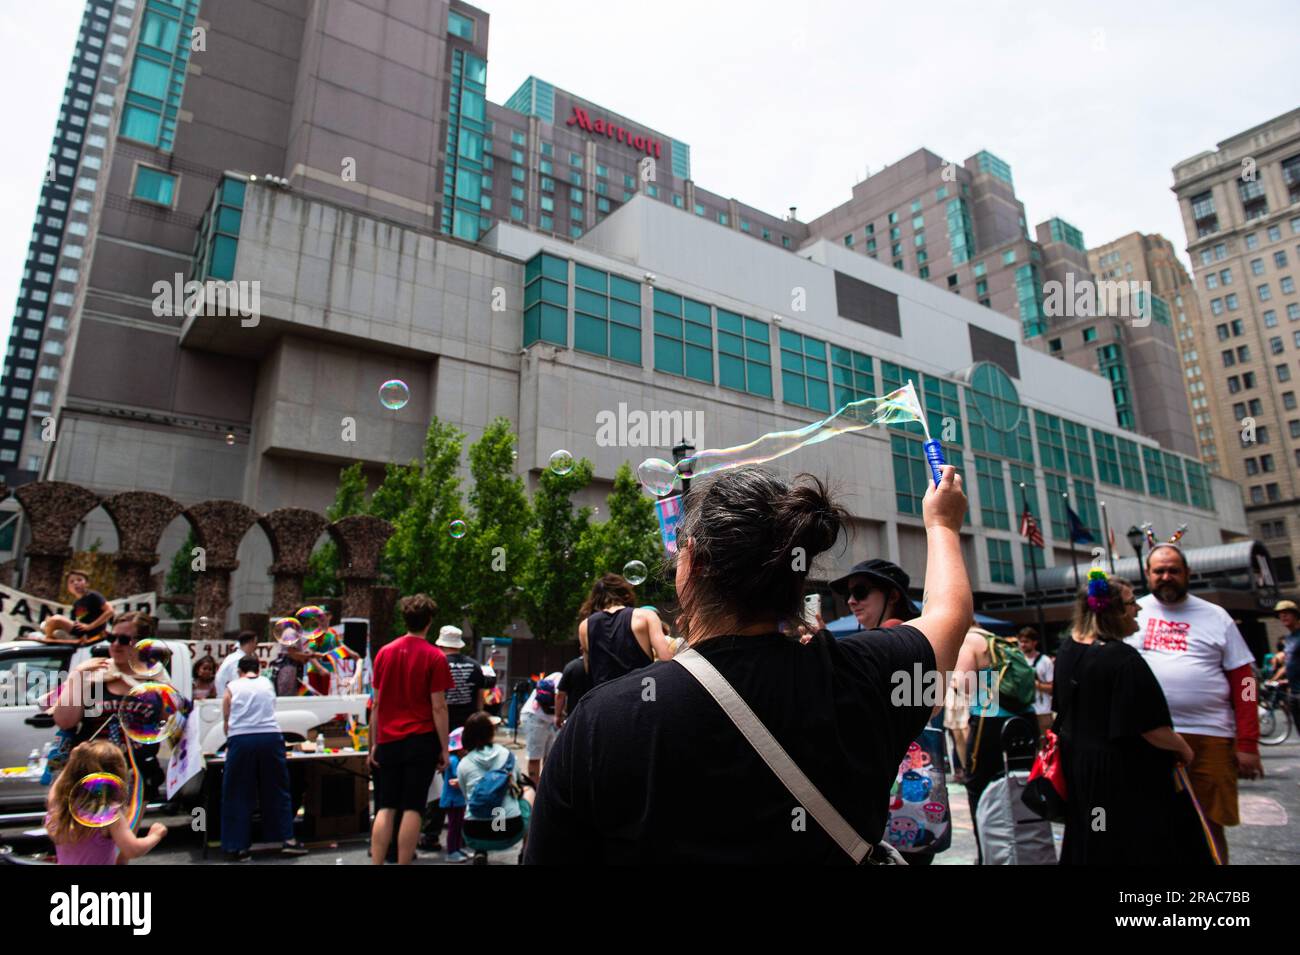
x=652 y=769
x=1118 y=746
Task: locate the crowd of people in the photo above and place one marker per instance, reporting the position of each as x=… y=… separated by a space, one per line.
x=714 y=737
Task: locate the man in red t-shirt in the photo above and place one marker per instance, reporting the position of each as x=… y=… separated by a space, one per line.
x=408 y=723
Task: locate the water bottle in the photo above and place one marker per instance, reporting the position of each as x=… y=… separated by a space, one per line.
x=34 y=763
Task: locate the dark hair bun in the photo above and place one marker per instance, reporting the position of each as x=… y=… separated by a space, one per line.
x=806 y=517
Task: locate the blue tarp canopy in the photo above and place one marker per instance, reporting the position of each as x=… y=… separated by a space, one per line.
x=846 y=625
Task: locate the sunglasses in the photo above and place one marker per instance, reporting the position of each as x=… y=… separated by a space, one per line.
x=122 y=639
x=861 y=592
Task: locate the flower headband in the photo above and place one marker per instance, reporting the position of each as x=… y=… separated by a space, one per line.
x=1099 y=592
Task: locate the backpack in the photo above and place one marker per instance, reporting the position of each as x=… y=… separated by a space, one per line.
x=546 y=696
x=1016 y=676
x=491 y=790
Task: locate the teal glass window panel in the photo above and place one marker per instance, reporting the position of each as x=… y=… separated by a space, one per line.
x=532 y=324
x=625 y=289
x=668 y=325
x=554 y=326
x=159 y=31
x=589 y=278
x=625 y=313
x=699 y=363
x=232 y=192
x=730 y=322
x=553 y=268
x=469 y=184
x=699 y=334
x=140 y=124
x=793 y=390
x=556 y=293
x=153 y=185
x=228 y=220
x=731 y=370
x=625 y=343
x=589 y=334
x=460 y=25
x=756 y=330
x=222 y=262
x=730 y=344
x=668 y=302
x=591 y=303
x=668 y=355
x=150 y=78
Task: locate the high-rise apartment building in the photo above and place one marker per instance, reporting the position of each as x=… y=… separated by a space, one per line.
x=1163 y=411
x=59 y=240
x=1241 y=209
x=963 y=229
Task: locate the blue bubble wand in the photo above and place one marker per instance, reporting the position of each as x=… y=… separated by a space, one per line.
x=933 y=449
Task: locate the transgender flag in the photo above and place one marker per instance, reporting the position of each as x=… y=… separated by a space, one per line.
x=669 y=510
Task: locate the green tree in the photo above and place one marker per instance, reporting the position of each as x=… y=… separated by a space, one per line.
x=630 y=533
x=180 y=576
x=496 y=537
x=421 y=501
x=322 y=567
x=557 y=573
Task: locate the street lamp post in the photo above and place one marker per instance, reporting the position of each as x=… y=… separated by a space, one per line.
x=1135 y=538
x=680 y=453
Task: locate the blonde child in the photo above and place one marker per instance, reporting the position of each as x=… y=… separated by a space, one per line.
x=78 y=844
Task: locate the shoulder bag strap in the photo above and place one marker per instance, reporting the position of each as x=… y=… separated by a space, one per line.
x=774 y=755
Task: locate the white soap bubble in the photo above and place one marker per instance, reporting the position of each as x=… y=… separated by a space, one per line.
x=634 y=573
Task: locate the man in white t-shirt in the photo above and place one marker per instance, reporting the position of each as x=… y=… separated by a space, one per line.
x=537 y=717
x=1044 y=671
x=229 y=669
x=1204 y=667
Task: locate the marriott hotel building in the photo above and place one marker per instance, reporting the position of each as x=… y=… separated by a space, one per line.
x=524 y=260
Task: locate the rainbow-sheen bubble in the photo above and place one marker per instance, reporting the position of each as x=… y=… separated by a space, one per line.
x=311 y=620
x=394 y=394
x=96 y=800
x=288 y=631
x=561 y=462
x=457 y=529
x=151 y=712
x=900 y=406
x=153 y=652
x=634 y=572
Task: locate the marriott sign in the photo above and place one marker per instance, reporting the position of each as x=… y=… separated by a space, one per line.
x=647 y=144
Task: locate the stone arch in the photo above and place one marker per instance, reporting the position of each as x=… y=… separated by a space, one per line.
x=140 y=518
x=53 y=509
x=361 y=539
x=293 y=532
x=219 y=526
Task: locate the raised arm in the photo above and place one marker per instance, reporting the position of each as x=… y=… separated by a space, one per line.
x=582 y=642
x=948 y=604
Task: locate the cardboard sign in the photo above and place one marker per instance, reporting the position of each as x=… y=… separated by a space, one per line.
x=186 y=759
x=22 y=614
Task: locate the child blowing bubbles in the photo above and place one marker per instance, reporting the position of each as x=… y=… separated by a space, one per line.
x=79 y=844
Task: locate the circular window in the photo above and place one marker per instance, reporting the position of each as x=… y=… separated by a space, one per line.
x=995 y=397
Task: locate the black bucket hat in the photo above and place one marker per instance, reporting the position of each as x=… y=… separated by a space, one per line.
x=881 y=573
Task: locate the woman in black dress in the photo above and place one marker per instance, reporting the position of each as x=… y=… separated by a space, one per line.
x=1118 y=746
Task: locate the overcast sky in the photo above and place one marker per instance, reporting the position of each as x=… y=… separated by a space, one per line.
x=789 y=104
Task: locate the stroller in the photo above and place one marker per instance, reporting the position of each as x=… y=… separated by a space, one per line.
x=1009 y=832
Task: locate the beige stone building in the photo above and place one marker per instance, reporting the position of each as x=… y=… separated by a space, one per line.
x=1241 y=209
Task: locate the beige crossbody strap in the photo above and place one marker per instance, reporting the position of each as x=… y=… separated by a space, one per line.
x=765 y=744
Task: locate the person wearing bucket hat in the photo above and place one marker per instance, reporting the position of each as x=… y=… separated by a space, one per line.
x=876 y=591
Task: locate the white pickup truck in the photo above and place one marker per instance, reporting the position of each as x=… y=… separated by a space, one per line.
x=25 y=726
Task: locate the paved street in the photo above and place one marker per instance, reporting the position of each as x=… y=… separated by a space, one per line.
x=1267 y=834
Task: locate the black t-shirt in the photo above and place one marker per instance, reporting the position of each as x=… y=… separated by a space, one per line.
x=651 y=770
x=467 y=677
x=575 y=681
x=88 y=608
x=1106 y=692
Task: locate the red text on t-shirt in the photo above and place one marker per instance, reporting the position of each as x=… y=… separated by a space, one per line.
x=1166 y=635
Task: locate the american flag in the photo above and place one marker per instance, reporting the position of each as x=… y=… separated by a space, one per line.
x=1029 y=529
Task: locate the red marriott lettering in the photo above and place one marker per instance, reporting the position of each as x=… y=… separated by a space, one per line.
x=600 y=127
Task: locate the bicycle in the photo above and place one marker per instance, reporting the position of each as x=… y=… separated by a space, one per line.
x=1274 y=714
